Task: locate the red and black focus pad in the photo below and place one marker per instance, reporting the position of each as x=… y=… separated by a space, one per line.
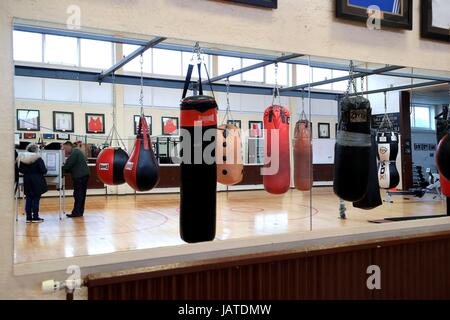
x=110 y=164
x=198 y=122
x=443 y=156
x=445 y=186
x=352 y=150
x=142 y=170
x=303 y=156
x=277 y=166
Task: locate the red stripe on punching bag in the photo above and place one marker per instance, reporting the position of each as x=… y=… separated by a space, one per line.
x=189 y=118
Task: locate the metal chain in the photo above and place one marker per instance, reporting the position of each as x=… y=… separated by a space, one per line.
x=228 y=115
x=276 y=90
x=141 y=94
x=351 y=80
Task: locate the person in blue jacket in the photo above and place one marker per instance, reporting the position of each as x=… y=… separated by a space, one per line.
x=33 y=169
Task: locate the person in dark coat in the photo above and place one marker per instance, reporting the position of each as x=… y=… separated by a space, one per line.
x=33 y=169
x=16 y=171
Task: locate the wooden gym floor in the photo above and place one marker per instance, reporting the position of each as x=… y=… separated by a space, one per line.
x=120 y=223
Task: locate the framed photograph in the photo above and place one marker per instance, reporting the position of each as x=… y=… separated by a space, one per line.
x=169 y=126
x=48 y=136
x=28 y=120
x=237 y=123
x=435 y=22
x=95 y=123
x=149 y=123
x=63 y=121
x=29 y=135
x=256 y=129
x=394 y=13
x=324 y=130
x=63 y=136
x=273 y=4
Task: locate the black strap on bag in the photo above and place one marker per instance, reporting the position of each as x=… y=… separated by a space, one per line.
x=187 y=82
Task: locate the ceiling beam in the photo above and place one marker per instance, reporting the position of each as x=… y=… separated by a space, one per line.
x=401 y=88
x=76 y=75
x=130 y=57
x=252 y=67
x=344 y=78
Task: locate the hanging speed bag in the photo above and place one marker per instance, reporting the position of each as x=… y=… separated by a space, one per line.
x=277 y=175
x=445 y=186
x=230 y=168
x=142 y=170
x=443 y=156
x=303 y=156
x=198 y=118
x=387 y=146
x=352 y=149
x=110 y=164
x=372 y=198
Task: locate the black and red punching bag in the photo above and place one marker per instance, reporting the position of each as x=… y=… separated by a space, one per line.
x=110 y=164
x=277 y=166
x=303 y=156
x=443 y=156
x=142 y=169
x=352 y=150
x=198 y=119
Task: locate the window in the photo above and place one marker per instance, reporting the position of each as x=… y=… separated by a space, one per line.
x=283 y=74
x=27 y=46
x=96 y=54
x=167 y=62
x=187 y=56
x=423 y=117
x=256 y=75
x=303 y=74
x=321 y=74
x=228 y=64
x=61 y=50
x=341 y=85
x=135 y=64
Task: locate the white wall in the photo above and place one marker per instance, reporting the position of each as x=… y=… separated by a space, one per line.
x=306 y=26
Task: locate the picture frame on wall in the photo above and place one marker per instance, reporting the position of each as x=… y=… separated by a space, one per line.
x=169 y=126
x=324 y=130
x=136 y=123
x=63 y=136
x=435 y=19
x=29 y=135
x=272 y=4
x=95 y=123
x=236 y=123
x=256 y=129
x=394 y=13
x=63 y=121
x=28 y=120
x=48 y=136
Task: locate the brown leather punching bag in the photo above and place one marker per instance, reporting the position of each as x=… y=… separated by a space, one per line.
x=303 y=175
x=230 y=168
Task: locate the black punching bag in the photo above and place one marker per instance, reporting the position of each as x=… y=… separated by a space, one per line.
x=198 y=118
x=372 y=198
x=352 y=150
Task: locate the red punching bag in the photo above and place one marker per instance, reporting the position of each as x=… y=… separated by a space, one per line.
x=142 y=170
x=443 y=156
x=110 y=164
x=303 y=156
x=277 y=167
